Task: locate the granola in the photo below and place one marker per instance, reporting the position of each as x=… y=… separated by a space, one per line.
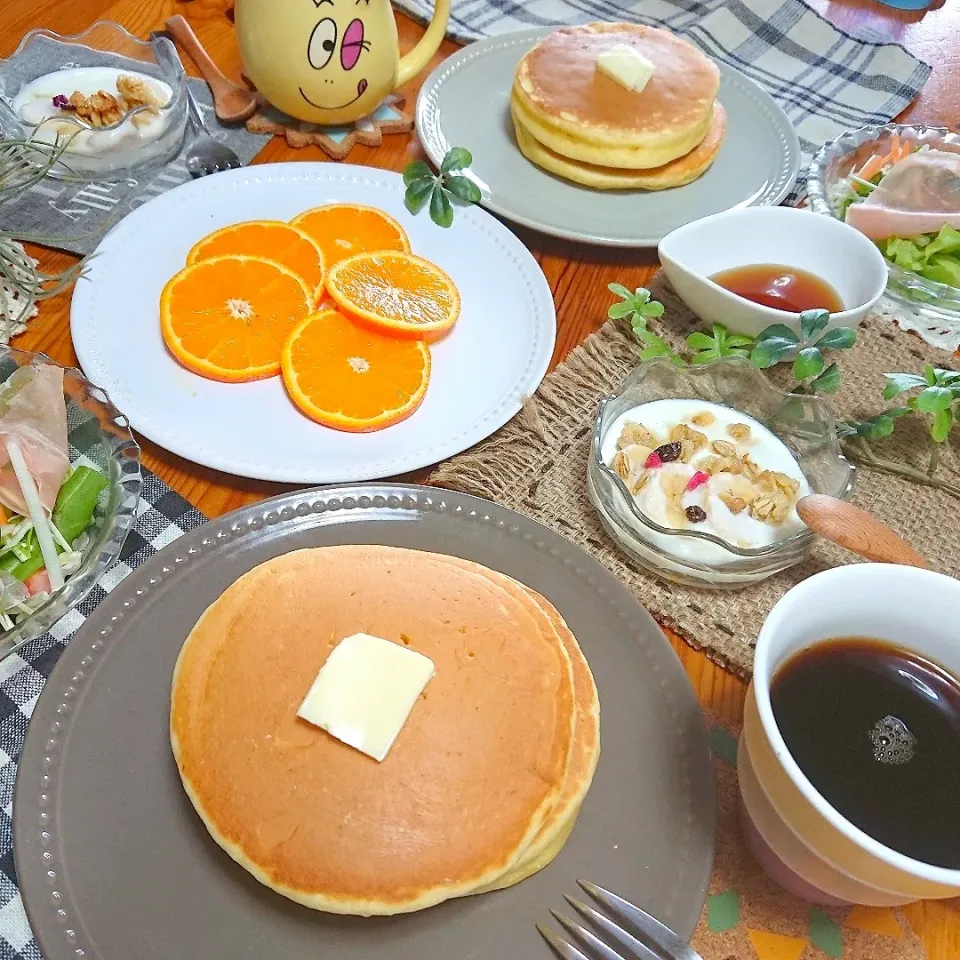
x=703 y=419
x=103 y=109
x=739 y=431
x=637 y=433
x=724 y=448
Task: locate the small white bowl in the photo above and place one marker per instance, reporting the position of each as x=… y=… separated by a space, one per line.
x=800 y=839
x=827 y=248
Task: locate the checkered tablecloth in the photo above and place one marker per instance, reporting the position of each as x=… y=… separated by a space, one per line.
x=827 y=81
x=162 y=516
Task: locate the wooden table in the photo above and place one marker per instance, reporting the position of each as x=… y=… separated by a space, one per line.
x=578 y=275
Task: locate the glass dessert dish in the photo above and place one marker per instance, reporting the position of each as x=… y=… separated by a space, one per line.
x=826 y=185
x=802 y=424
x=51 y=92
x=99 y=437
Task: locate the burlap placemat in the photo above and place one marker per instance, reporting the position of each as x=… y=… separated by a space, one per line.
x=536 y=465
x=748 y=916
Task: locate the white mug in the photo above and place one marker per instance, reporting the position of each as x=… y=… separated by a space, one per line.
x=806 y=845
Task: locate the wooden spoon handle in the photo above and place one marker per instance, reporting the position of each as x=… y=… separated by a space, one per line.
x=856 y=530
x=184 y=35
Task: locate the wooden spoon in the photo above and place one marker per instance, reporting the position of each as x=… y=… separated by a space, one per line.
x=232 y=102
x=856 y=530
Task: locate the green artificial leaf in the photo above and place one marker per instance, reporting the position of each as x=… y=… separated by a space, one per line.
x=463 y=188
x=929 y=374
x=944 y=377
x=705 y=356
x=942 y=424
x=813 y=322
x=739 y=340
x=617 y=311
x=456 y=159
x=769 y=352
x=809 y=363
x=931 y=400
x=700 y=341
x=416 y=170
x=441 y=210
x=418 y=193
x=898 y=383
x=778 y=331
x=655 y=346
x=620 y=290
x=653 y=309
x=839 y=338
x=828 y=381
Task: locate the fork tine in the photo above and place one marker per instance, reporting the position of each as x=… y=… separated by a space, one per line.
x=627 y=943
x=563 y=949
x=589 y=940
x=651 y=928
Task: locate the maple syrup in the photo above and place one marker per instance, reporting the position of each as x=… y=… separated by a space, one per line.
x=780 y=287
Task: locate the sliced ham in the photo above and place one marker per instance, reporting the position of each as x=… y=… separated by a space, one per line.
x=36 y=416
x=920 y=194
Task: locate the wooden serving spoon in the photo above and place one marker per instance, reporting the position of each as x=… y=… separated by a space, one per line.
x=232 y=102
x=856 y=530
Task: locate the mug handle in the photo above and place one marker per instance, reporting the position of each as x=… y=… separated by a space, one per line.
x=414 y=62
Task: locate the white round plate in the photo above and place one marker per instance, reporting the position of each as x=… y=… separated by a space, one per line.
x=482 y=371
x=465 y=102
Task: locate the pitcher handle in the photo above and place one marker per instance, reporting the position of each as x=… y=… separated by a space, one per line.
x=414 y=62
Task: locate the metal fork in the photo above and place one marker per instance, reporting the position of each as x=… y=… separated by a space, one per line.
x=635 y=934
x=205 y=155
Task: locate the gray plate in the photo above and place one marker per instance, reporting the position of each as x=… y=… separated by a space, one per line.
x=465 y=103
x=113 y=861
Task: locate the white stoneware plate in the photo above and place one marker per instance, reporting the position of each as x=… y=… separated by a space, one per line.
x=494 y=357
x=465 y=102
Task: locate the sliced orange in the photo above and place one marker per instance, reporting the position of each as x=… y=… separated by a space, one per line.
x=395 y=292
x=227 y=318
x=343 y=229
x=352 y=378
x=273 y=239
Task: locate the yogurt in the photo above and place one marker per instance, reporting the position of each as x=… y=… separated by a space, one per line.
x=143 y=139
x=716 y=471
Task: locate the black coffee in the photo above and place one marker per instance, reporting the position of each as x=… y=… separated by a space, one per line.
x=876 y=729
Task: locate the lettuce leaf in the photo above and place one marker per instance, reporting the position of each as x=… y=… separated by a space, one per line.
x=935 y=256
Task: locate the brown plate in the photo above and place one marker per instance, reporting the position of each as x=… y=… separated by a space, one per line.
x=113 y=861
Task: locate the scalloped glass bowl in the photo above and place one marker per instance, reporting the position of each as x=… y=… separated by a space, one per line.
x=804 y=424
x=825 y=186
x=113 y=151
x=100 y=437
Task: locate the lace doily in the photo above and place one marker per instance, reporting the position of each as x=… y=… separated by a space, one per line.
x=13 y=317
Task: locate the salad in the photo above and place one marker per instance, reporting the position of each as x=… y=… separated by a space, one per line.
x=907 y=201
x=46 y=506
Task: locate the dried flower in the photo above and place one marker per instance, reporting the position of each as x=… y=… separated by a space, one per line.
x=61 y=102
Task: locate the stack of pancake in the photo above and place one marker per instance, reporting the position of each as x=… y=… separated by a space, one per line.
x=481 y=787
x=578 y=123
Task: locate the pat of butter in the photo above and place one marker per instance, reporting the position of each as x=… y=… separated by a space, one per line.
x=626 y=66
x=365 y=691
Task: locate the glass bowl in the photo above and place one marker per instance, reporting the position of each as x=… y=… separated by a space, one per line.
x=121 y=149
x=907 y=291
x=99 y=436
x=803 y=423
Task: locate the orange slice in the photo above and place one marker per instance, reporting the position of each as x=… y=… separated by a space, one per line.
x=273 y=239
x=397 y=293
x=344 y=229
x=351 y=378
x=227 y=318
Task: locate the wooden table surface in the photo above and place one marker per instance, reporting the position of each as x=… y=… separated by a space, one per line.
x=578 y=275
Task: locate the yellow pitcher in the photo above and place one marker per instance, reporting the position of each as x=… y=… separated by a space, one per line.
x=329 y=61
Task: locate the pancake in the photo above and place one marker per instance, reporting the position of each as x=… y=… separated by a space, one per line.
x=583 y=761
x=578 y=112
x=676 y=173
x=473 y=777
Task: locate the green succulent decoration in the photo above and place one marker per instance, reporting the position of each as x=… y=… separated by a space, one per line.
x=440 y=191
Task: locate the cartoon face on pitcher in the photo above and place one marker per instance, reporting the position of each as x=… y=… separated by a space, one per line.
x=326 y=61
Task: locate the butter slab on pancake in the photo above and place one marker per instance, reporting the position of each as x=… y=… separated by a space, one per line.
x=676 y=173
x=466 y=788
x=567 y=104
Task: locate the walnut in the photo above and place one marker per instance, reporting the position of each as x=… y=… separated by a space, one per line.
x=682 y=432
x=637 y=433
x=135 y=92
x=770 y=508
x=739 y=431
x=703 y=419
x=733 y=504
x=724 y=448
x=775 y=482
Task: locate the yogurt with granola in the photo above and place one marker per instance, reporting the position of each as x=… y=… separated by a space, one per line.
x=696 y=465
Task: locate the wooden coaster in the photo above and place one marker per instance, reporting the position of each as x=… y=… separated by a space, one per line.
x=336 y=142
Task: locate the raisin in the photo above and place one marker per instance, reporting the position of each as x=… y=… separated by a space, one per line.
x=668 y=452
x=696 y=514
